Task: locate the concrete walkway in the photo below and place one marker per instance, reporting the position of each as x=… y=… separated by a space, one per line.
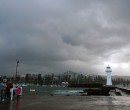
x=68 y=103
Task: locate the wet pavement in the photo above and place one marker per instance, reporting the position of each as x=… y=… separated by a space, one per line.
x=68 y=103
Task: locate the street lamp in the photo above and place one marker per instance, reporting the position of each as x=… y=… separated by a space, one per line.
x=17 y=61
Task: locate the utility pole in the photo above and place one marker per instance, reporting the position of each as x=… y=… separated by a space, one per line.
x=17 y=61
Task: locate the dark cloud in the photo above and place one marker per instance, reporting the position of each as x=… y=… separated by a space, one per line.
x=55 y=36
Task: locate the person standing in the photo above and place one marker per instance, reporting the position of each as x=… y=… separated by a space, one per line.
x=3 y=89
x=18 y=90
x=8 y=87
x=12 y=90
x=1 y=92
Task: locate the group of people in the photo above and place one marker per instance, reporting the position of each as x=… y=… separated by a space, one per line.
x=8 y=89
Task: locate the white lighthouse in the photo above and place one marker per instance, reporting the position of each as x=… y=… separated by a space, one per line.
x=108 y=72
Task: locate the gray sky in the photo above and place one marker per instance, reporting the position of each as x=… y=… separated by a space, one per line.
x=59 y=35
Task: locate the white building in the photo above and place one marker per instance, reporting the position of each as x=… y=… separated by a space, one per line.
x=108 y=72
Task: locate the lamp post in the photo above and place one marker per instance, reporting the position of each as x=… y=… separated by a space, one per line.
x=17 y=61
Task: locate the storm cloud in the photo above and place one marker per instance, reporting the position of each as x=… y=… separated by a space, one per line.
x=59 y=35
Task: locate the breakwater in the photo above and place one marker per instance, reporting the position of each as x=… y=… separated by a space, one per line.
x=94 y=88
x=127 y=91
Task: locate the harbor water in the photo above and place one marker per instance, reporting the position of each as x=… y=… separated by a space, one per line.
x=49 y=90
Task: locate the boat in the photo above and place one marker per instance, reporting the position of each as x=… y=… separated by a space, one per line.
x=23 y=85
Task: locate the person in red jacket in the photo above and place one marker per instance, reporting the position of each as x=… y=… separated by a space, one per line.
x=18 y=91
x=8 y=87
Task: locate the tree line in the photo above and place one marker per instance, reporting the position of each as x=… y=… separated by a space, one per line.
x=52 y=79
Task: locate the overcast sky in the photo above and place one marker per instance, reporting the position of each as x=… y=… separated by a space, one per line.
x=60 y=35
